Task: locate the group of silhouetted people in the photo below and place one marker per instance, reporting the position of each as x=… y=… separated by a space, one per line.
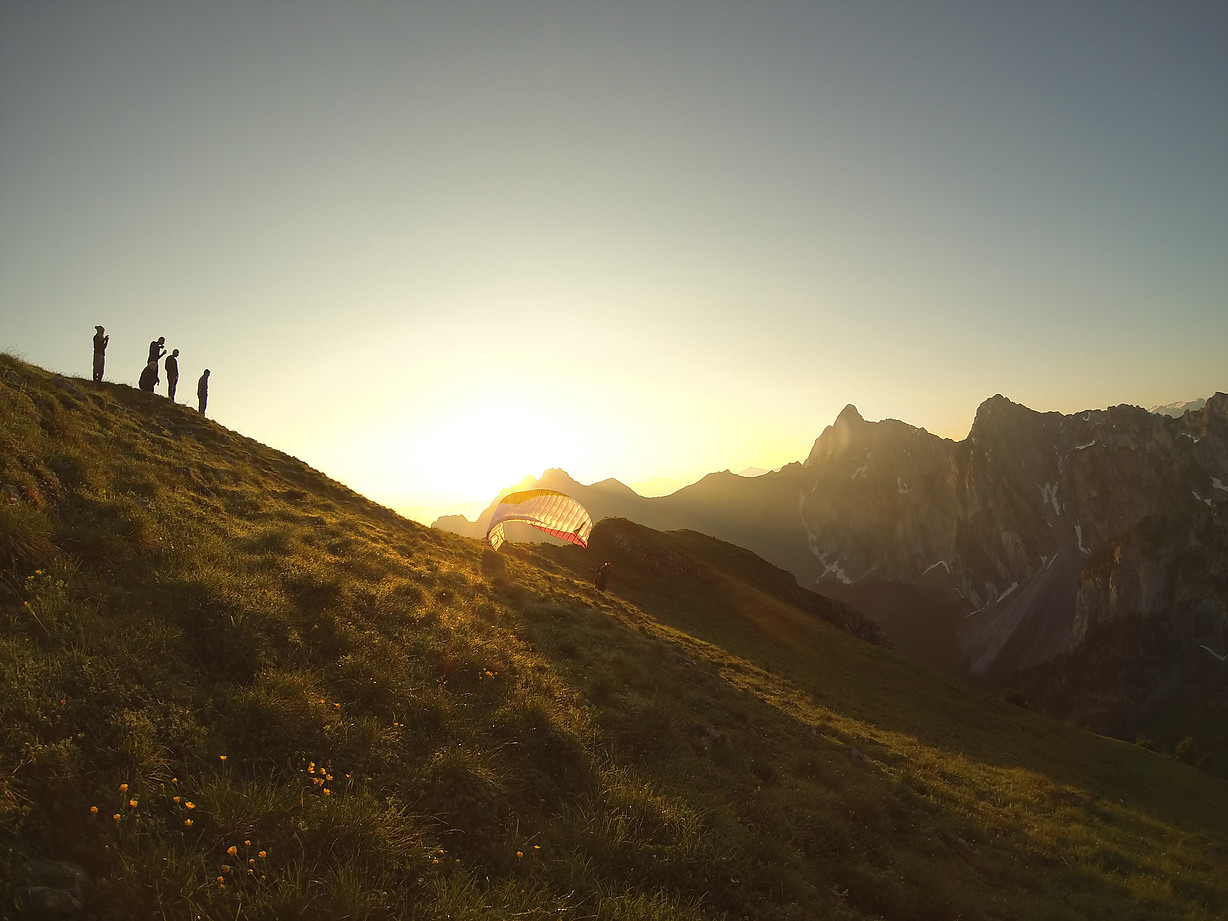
x=149 y=377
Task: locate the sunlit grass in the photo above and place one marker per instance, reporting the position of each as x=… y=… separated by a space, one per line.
x=232 y=688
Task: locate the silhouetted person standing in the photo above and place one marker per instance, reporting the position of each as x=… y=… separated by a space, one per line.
x=100 y=351
x=202 y=390
x=156 y=351
x=602 y=579
x=172 y=373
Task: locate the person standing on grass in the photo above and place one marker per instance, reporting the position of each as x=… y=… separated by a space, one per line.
x=156 y=351
x=602 y=579
x=202 y=390
x=172 y=373
x=100 y=351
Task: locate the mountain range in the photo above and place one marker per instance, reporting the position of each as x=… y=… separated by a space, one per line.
x=235 y=688
x=1079 y=561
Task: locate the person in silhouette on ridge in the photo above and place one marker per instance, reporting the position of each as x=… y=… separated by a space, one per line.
x=172 y=373
x=156 y=351
x=149 y=377
x=603 y=577
x=202 y=390
x=100 y=351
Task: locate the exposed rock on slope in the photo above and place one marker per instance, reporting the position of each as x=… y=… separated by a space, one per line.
x=1011 y=523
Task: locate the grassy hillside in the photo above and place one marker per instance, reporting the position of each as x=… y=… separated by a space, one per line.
x=232 y=688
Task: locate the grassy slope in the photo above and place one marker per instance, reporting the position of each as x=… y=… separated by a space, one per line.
x=414 y=727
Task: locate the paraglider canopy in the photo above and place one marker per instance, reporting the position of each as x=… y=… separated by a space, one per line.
x=547 y=510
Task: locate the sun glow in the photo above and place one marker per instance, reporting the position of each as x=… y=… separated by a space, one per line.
x=471 y=455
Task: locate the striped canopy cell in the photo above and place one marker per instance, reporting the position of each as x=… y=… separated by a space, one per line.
x=547 y=510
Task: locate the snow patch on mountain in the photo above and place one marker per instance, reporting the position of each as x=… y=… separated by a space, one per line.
x=1177 y=410
x=1079 y=535
x=833 y=569
x=1049 y=492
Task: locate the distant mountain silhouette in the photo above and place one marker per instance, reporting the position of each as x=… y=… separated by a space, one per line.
x=1081 y=558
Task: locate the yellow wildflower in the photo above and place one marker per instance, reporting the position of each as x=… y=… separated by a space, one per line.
x=232 y=850
x=187 y=822
x=93 y=810
x=123 y=788
x=132 y=803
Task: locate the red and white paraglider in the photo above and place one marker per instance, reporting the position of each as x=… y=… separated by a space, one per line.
x=547 y=510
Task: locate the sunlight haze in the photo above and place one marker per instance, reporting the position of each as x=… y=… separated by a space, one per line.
x=430 y=248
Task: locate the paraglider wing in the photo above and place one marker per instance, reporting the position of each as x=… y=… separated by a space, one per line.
x=545 y=509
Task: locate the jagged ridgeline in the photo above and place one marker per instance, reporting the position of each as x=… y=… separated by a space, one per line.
x=1078 y=562
x=233 y=688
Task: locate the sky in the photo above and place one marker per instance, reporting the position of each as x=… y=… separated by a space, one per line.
x=430 y=248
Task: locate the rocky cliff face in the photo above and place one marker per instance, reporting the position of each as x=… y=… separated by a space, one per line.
x=1087 y=552
x=1036 y=524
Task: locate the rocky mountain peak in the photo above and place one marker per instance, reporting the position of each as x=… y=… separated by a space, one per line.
x=849 y=416
x=850 y=433
x=999 y=415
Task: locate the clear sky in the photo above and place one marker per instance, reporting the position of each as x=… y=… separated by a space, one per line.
x=432 y=247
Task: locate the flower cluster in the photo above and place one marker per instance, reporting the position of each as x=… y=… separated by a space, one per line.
x=129 y=804
x=185 y=804
x=244 y=863
x=320 y=777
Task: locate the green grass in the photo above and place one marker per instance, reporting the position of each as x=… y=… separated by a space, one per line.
x=205 y=645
